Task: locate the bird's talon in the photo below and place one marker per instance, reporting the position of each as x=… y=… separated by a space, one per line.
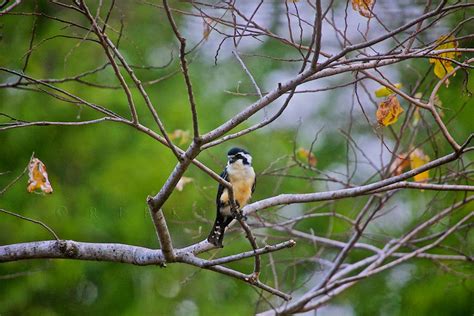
x=239 y=216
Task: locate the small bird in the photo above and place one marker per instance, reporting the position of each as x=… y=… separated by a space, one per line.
x=240 y=174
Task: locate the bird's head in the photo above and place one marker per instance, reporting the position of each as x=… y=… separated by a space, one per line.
x=236 y=154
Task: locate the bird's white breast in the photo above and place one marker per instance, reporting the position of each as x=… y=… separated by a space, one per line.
x=242 y=178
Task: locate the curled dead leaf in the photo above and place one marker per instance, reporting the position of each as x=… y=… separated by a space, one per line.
x=389 y=111
x=364 y=7
x=38 y=177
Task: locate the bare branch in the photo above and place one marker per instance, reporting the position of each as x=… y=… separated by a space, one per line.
x=10 y=7
x=345 y=193
x=184 y=68
x=31 y=220
x=162 y=232
x=248 y=254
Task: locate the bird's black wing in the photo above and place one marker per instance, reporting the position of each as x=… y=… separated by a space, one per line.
x=221 y=188
x=254 y=184
x=217 y=233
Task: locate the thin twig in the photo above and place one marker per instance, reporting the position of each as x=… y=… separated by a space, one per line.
x=248 y=254
x=184 y=68
x=33 y=221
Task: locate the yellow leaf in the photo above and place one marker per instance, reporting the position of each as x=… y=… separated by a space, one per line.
x=364 y=7
x=389 y=111
x=183 y=136
x=182 y=182
x=38 y=177
x=441 y=66
x=418 y=159
x=307 y=156
x=385 y=92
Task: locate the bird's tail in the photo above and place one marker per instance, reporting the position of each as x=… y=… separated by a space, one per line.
x=217 y=233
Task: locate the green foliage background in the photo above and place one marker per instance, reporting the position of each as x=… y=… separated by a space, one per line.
x=101 y=175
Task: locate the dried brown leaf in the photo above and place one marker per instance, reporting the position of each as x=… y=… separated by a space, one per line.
x=389 y=111
x=38 y=177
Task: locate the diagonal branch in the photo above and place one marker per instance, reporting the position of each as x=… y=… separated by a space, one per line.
x=247 y=71
x=201 y=263
x=115 y=67
x=19 y=124
x=70 y=95
x=184 y=68
x=33 y=221
x=10 y=7
x=248 y=254
x=318 y=24
x=351 y=192
x=162 y=231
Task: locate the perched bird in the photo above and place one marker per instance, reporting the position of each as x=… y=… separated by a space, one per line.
x=240 y=174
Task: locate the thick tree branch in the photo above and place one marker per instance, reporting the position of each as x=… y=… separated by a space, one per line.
x=283 y=199
x=162 y=231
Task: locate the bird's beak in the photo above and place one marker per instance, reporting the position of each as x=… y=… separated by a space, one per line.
x=232 y=159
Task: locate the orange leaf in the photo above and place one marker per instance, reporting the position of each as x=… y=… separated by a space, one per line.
x=389 y=111
x=38 y=177
x=307 y=156
x=399 y=164
x=364 y=7
x=418 y=159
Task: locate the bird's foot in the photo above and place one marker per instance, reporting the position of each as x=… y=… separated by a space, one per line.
x=216 y=239
x=238 y=215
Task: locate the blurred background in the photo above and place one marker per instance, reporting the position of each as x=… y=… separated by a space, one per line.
x=101 y=174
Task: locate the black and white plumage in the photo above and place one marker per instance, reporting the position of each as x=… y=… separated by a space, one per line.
x=240 y=174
